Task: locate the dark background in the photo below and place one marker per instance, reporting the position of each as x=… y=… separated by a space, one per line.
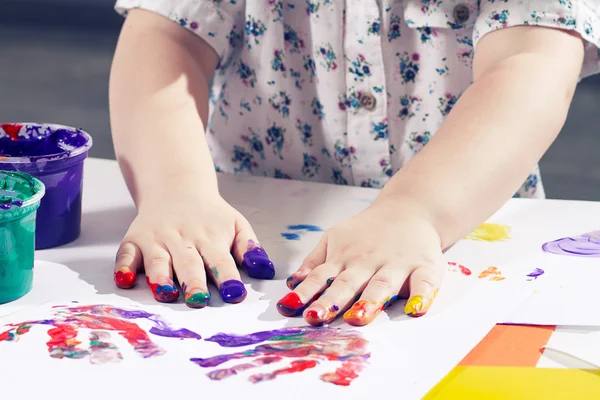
x=55 y=58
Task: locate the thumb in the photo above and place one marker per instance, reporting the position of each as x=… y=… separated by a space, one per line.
x=249 y=254
x=424 y=284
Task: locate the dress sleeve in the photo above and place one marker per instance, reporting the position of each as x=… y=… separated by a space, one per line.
x=218 y=23
x=581 y=16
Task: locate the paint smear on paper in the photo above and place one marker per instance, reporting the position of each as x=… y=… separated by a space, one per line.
x=585 y=245
x=491 y=274
x=306 y=347
x=455 y=267
x=67 y=321
x=490 y=233
x=536 y=273
x=295 y=232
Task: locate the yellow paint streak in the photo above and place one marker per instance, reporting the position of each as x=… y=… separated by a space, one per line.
x=490 y=233
x=517 y=383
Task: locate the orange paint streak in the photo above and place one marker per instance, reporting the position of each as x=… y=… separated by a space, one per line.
x=492 y=273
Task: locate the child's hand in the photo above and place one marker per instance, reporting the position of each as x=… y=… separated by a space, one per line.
x=388 y=250
x=180 y=234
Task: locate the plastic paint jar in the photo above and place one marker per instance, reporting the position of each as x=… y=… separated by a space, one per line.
x=54 y=154
x=20 y=196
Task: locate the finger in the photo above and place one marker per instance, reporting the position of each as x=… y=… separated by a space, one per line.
x=189 y=268
x=250 y=254
x=312 y=261
x=224 y=272
x=339 y=296
x=159 y=275
x=380 y=293
x=294 y=303
x=127 y=264
x=424 y=284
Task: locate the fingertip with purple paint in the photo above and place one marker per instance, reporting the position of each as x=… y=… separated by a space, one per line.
x=256 y=262
x=233 y=291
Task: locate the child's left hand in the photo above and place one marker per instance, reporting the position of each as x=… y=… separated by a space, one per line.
x=389 y=250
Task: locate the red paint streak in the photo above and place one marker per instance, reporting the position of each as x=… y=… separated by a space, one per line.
x=4 y=336
x=295 y=366
x=125 y=280
x=290 y=305
x=463 y=270
x=12 y=130
x=346 y=373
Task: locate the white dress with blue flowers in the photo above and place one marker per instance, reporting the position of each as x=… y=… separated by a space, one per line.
x=348 y=91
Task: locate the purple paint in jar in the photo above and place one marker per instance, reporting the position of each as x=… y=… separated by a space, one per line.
x=54 y=154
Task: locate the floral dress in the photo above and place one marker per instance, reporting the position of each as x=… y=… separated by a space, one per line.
x=348 y=91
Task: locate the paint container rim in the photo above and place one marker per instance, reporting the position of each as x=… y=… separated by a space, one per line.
x=37 y=185
x=66 y=154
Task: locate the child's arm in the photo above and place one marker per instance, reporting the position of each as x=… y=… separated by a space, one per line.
x=159 y=105
x=159 y=108
x=524 y=80
x=496 y=133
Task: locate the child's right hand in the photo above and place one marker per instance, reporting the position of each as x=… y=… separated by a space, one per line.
x=190 y=236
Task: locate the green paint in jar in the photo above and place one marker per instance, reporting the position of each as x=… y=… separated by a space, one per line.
x=20 y=196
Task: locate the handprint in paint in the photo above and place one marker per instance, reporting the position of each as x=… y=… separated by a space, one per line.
x=305 y=346
x=101 y=319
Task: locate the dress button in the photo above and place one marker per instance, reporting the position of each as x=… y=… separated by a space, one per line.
x=368 y=101
x=461 y=14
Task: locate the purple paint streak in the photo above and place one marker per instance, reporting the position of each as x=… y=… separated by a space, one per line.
x=585 y=245
x=306 y=346
x=536 y=273
x=256 y=262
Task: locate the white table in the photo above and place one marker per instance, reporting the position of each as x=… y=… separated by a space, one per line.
x=271 y=205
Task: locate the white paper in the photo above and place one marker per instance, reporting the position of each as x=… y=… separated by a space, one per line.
x=567 y=293
x=581 y=344
x=434 y=343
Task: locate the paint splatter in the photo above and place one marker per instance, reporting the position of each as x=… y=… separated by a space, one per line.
x=165 y=291
x=256 y=262
x=455 y=267
x=490 y=233
x=491 y=274
x=101 y=319
x=290 y=235
x=536 y=273
x=307 y=347
x=363 y=312
x=298 y=230
x=585 y=245
x=195 y=297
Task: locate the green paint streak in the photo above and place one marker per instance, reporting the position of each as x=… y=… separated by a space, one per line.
x=215 y=272
x=297 y=336
x=198 y=298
